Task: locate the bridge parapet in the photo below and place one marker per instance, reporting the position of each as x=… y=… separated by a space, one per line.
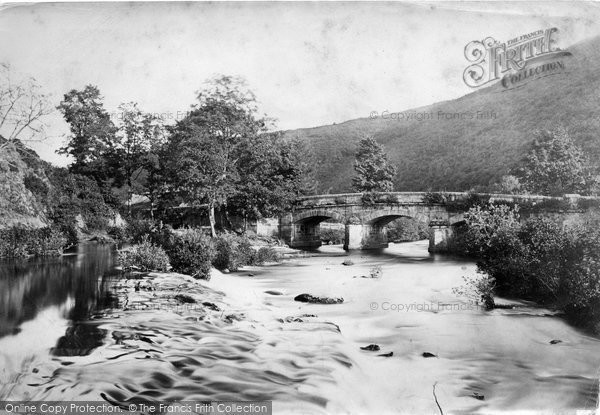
x=573 y=201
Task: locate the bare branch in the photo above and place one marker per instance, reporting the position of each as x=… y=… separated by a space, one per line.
x=22 y=108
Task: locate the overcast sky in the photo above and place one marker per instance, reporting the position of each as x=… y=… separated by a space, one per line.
x=308 y=63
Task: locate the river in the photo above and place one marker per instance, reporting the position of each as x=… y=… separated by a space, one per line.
x=65 y=336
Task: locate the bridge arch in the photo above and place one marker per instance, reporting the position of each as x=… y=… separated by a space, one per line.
x=318 y=215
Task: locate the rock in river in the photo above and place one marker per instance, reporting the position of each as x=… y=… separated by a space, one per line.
x=308 y=298
x=371 y=348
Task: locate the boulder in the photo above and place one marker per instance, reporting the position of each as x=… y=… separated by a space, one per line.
x=308 y=298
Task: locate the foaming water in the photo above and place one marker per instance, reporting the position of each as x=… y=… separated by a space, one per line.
x=257 y=343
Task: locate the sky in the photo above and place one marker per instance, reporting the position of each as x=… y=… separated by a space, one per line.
x=309 y=64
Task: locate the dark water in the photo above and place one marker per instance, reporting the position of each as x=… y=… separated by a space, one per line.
x=27 y=287
x=305 y=357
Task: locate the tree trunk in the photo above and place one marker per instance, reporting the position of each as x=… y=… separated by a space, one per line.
x=227 y=219
x=211 y=218
x=152 y=209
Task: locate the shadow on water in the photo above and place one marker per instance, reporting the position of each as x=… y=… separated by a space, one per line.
x=400 y=253
x=81 y=277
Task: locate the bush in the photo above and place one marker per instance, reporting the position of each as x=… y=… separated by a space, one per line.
x=434 y=198
x=19 y=242
x=73 y=195
x=463 y=204
x=479 y=289
x=156 y=232
x=191 y=252
x=586 y=204
x=407 y=229
x=537 y=260
x=118 y=233
x=145 y=256
x=233 y=252
x=36 y=186
x=266 y=254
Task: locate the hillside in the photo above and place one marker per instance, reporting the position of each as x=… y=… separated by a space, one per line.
x=35 y=194
x=18 y=205
x=453 y=154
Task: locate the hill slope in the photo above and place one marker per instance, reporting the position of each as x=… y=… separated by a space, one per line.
x=18 y=205
x=454 y=154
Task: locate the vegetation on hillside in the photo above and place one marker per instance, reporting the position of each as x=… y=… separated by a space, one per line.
x=467 y=143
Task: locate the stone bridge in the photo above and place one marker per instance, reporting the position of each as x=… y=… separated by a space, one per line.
x=365 y=223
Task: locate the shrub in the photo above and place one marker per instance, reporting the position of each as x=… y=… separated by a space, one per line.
x=434 y=198
x=538 y=260
x=145 y=256
x=36 y=186
x=369 y=198
x=386 y=198
x=118 y=233
x=18 y=242
x=479 y=289
x=585 y=204
x=65 y=223
x=375 y=272
x=191 y=252
x=266 y=254
x=407 y=229
x=463 y=204
x=339 y=200
x=233 y=252
x=139 y=229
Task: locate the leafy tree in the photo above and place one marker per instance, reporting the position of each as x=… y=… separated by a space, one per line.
x=272 y=174
x=92 y=133
x=554 y=165
x=135 y=155
x=374 y=174
x=204 y=148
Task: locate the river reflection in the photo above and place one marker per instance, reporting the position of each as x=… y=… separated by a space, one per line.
x=76 y=283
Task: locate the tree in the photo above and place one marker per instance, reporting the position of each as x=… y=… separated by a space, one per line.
x=206 y=145
x=23 y=107
x=272 y=174
x=92 y=133
x=554 y=165
x=138 y=140
x=374 y=174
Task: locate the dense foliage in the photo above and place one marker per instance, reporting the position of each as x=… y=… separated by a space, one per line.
x=221 y=156
x=554 y=165
x=538 y=260
x=233 y=252
x=407 y=229
x=144 y=257
x=191 y=252
x=20 y=242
